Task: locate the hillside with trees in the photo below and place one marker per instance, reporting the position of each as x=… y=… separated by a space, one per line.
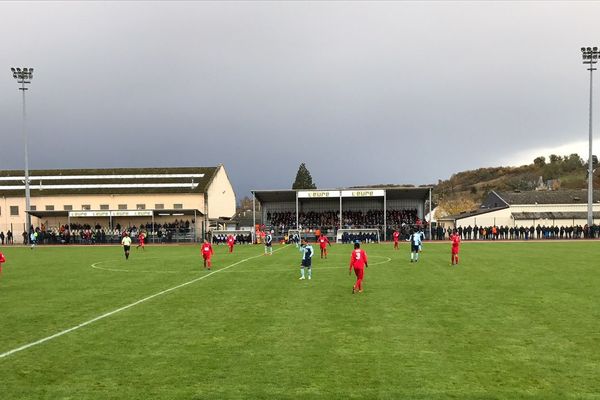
x=465 y=190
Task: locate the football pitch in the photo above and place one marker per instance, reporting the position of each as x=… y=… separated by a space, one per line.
x=512 y=321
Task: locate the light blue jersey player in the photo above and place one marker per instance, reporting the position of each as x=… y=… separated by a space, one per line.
x=416 y=240
x=307 y=252
x=269 y=244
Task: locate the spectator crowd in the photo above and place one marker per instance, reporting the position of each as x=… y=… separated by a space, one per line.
x=221 y=238
x=519 y=232
x=350 y=219
x=75 y=233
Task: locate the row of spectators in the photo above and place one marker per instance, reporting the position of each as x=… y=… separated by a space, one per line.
x=520 y=232
x=239 y=239
x=88 y=234
x=350 y=219
x=363 y=237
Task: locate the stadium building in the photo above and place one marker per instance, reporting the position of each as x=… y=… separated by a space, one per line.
x=378 y=210
x=182 y=199
x=528 y=208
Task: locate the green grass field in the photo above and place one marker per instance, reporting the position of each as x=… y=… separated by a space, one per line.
x=513 y=321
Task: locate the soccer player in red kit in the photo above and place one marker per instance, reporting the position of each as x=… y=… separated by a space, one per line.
x=455 y=238
x=323 y=242
x=141 y=240
x=2 y=260
x=230 y=242
x=207 y=252
x=358 y=261
x=396 y=238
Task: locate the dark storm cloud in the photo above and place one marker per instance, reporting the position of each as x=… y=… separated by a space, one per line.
x=364 y=93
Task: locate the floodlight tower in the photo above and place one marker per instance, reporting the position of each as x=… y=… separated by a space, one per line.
x=590 y=56
x=24 y=77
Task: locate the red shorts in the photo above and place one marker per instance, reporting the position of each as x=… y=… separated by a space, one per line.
x=454 y=251
x=206 y=256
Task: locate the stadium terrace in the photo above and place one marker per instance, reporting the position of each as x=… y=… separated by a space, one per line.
x=367 y=210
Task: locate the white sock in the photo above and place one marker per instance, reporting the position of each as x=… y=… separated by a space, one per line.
x=302 y=272
x=309 y=273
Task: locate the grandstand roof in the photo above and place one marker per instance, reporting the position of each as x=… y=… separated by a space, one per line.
x=392 y=193
x=546 y=197
x=108 y=181
x=266 y=196
x=161 y=212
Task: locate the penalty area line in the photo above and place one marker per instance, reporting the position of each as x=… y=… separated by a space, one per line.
x=118 y=310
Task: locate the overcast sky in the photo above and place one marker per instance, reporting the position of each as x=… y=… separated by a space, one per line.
x=362 y=92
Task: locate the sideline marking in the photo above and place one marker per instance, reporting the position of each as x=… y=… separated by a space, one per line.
x=108 y=314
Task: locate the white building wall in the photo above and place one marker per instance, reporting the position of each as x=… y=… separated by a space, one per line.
x=553 y=207
x=498 y=218
x=221 y=197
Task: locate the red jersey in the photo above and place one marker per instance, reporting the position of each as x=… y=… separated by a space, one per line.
x=206 y=249
x=396 y=236
x=230 y=240
x=2 y=259
x=358 y=259
x=323 y=241
x=141 y=238
x=455 y=241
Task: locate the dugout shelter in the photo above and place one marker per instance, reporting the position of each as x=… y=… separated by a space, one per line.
x=340 y=209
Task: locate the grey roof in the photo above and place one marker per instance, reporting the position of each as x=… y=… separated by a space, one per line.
x=39 y=185
x=272 y=196
x=548 y=197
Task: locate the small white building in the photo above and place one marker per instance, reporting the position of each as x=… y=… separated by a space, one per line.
x=530 y=208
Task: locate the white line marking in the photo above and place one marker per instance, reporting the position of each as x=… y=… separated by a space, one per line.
x=317 y=268
x=108 y=314
x=95 y=266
